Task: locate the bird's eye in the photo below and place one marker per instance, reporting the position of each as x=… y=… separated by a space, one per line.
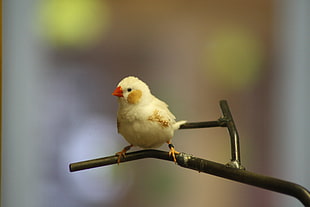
x=129 y=89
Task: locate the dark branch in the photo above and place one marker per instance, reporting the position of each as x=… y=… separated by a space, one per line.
x=209 y=167
x=206 y=124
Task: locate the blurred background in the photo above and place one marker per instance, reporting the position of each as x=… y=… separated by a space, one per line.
x=62 y=60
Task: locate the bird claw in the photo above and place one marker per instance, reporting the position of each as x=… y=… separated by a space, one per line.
x=122 y=153
x=173 y=152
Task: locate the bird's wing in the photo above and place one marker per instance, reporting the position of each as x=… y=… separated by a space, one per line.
x=163 y=108
x=165 y=112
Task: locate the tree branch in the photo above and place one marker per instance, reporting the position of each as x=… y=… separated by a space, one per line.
x=201 y=165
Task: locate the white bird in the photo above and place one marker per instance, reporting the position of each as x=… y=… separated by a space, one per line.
x=142 y=119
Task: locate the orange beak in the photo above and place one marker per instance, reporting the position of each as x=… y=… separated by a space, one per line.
x=118 y=92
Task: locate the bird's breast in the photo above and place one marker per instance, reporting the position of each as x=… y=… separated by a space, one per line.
x=146 y=131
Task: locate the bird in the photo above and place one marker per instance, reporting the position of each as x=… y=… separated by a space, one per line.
x=142 y=119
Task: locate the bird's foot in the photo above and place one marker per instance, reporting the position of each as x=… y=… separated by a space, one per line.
x=172 y=152
x=122 y=153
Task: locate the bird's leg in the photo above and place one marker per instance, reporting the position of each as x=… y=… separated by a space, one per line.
x=122 y=153
x=172 y=151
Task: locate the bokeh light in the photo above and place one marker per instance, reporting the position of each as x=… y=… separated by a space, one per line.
x=233 y=57
x=73 y=23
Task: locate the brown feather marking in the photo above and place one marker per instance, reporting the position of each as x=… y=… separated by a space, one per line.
x=134 y=97
x=158 y=118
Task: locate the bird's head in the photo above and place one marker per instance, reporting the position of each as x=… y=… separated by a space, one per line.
x=132 y=90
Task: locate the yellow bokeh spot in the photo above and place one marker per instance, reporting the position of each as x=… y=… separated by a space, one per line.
x=73 y=23
x=233 y=58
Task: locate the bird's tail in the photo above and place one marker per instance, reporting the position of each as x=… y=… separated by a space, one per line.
x=178 y=124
